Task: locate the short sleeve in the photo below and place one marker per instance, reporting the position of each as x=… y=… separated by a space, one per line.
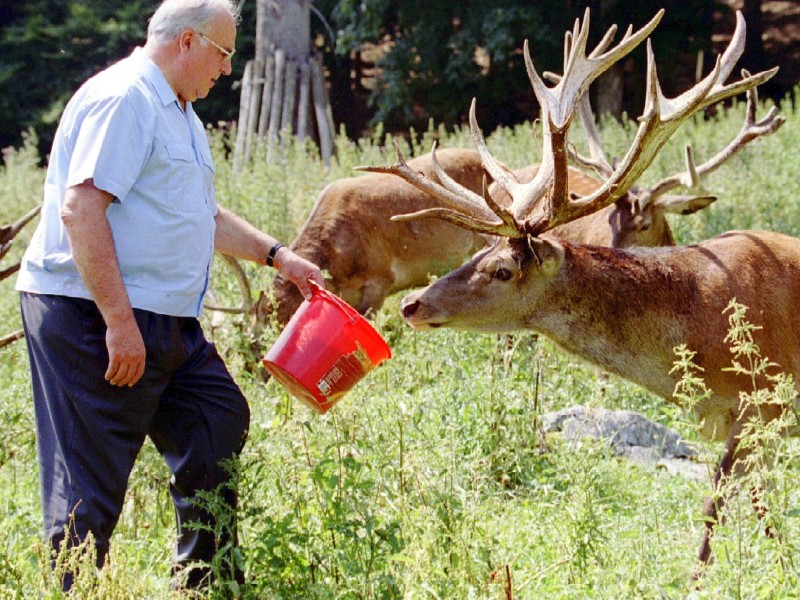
x=111 y=147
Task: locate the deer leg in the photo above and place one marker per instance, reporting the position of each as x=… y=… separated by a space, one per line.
x=761 y=510
x=714 y=505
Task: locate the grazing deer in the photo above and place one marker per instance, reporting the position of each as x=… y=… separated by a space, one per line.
x=625 y=310
x=365 y=255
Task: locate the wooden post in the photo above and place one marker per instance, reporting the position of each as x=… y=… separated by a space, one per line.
x=284 y=84
x=289 y=96
x=244 y=102
x=277 y=95
x=266 y=96
x=318 y=92
x=256 y=83
x=302 y=106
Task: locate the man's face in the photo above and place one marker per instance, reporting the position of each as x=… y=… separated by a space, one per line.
x=208 y=57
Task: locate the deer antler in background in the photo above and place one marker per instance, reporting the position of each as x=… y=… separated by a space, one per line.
x=546 y=202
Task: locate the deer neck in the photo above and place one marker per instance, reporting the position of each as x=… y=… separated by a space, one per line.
x=605 y=305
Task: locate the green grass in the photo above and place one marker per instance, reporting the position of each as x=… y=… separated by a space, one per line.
x=431 y=478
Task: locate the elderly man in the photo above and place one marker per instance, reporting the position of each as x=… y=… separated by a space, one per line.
x=112 y=285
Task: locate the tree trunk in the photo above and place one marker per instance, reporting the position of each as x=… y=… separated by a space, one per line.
x=284 y=78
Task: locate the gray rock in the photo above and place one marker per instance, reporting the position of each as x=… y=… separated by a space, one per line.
x=631 y=435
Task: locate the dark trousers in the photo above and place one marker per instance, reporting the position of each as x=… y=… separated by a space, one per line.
x=90 y=432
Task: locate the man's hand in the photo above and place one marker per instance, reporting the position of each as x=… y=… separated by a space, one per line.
x=298 y=270
x=126 y=354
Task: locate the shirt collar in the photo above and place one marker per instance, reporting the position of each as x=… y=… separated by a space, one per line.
x=154 y=75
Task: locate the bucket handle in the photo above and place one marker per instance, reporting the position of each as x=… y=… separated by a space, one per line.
x=340 y=304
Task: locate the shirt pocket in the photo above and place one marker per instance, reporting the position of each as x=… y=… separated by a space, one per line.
x=186 y=179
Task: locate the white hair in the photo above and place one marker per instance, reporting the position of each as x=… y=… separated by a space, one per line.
x=172 y=17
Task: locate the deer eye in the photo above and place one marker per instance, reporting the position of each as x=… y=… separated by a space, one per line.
x=502 y=274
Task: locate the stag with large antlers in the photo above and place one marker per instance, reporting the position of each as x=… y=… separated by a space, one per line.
x=624 y=310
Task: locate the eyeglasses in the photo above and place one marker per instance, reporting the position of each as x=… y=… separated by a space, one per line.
x=227 y=53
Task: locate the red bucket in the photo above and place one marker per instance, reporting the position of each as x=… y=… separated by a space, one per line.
x=324 y=350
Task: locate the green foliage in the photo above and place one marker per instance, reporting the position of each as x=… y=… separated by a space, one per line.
x=764 y=457
x=435 y=57
x=72 y=39
x=431 y=61
x=432 y=477
x=48 y=48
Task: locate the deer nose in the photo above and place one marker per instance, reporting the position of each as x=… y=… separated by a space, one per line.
x=410 y=308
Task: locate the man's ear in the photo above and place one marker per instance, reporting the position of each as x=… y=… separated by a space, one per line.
x=187 y=39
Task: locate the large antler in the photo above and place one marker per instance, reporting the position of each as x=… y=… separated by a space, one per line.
x=662 y=116
x=690 y=178
x=545 y=201
x=751 y=129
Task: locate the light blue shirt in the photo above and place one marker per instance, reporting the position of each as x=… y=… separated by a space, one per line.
x=125 y=130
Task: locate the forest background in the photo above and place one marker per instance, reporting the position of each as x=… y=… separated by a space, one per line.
x=398 y=63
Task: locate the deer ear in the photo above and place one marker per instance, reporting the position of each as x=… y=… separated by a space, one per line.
x=547 y=252
x=684 y=205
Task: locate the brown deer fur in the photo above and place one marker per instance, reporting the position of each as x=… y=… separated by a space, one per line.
x=626 y=310
x=367 y=256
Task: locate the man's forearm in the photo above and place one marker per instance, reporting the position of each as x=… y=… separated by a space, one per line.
x=238 y=238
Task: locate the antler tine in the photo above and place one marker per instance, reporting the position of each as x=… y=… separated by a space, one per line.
x=607 y=39
x=750 y=130
x=461 y=206
x=735 y=48
x=581 y=70
x=661 y=118
x=597 y=161
x=502 y=176
x=558 y=105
